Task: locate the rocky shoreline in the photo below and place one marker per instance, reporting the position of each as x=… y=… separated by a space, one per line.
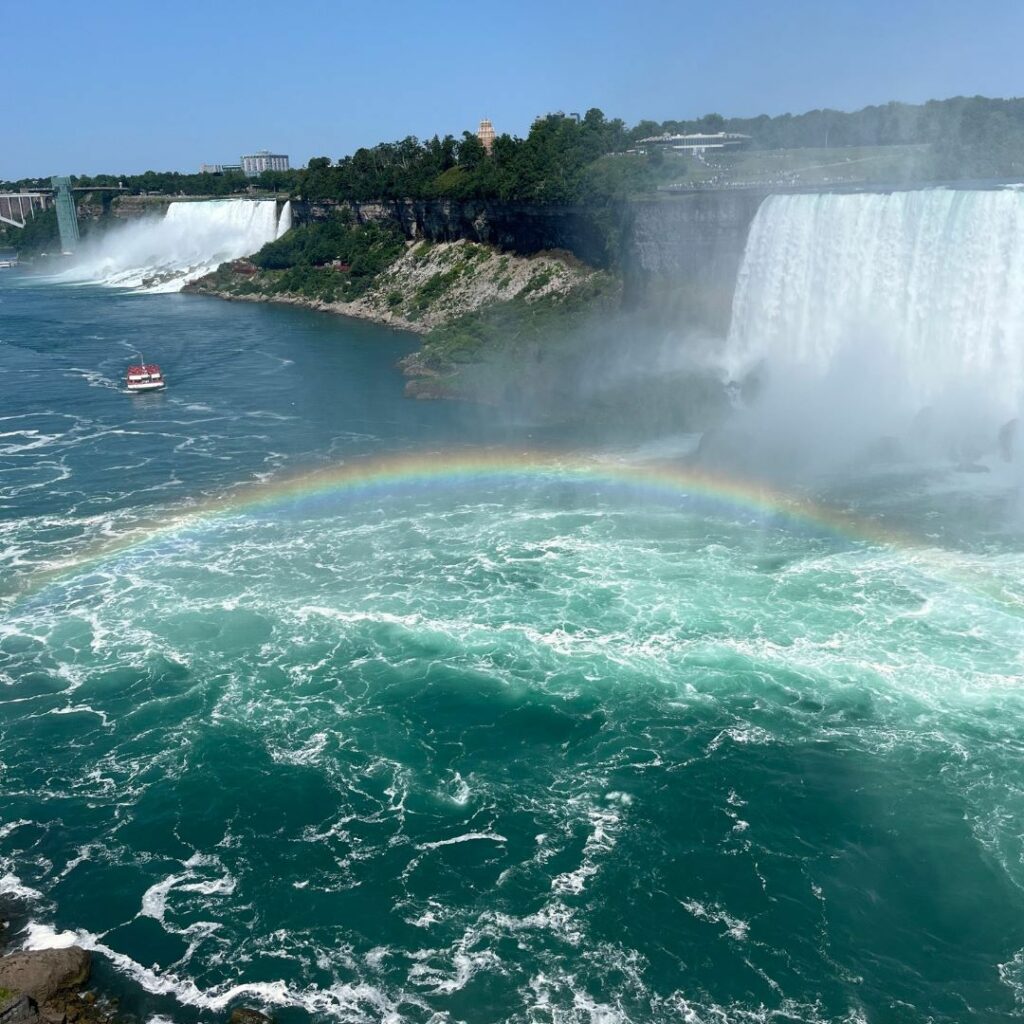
x=51 y=986
x=356 y=310
x=428 y=287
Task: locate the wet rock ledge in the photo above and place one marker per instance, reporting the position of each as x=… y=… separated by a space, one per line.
x=48 y=986
x=45 y=987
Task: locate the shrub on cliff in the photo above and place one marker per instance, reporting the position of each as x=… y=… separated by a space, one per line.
x=519 y=325
x=332 y=260
x=356 y=254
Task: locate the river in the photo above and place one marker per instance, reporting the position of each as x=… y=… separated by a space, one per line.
x=323 y=700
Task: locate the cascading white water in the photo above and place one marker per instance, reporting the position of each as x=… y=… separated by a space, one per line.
x=190 y=240
x=878 y=314
x=284 y=222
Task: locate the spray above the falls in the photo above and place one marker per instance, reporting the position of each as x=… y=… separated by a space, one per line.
x=190 y=240
x=899 y=314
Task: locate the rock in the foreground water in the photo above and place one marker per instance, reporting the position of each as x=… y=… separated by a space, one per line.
x=244 y=1015
x=43 y=984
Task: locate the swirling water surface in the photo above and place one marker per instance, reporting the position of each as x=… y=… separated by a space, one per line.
x=529 y=751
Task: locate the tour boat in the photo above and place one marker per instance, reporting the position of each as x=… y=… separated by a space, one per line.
x=144 y=377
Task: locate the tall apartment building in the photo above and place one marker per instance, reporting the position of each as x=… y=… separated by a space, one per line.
x=254 y=165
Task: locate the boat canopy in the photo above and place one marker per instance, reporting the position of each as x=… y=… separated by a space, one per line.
x=149 y=370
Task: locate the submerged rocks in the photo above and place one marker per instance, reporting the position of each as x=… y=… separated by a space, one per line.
x=245 y=1015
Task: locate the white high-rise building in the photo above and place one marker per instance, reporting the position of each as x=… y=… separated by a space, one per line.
x=254 y=165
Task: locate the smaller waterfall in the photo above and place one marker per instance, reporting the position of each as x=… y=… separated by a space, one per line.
x=190 y=240
x=284 y=222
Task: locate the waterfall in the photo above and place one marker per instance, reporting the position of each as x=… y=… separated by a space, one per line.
x=285 y=221
x=190 y=240
x=880 y=312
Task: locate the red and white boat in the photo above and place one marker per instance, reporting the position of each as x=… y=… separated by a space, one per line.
x=144 y=377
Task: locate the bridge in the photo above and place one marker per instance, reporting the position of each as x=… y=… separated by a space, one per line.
x=18 y=208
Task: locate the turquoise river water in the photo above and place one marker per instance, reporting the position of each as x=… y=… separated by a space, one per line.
x=481 y=746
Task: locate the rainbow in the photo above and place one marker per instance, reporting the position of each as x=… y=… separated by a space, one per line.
x=463 y=470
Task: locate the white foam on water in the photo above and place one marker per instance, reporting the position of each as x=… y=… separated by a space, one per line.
x=33 y=440
x=735 y=928
x=460 y=791
x=465 y=963
x=41 y=936
x=356 y=1002
x=78 y=709
x=12 y=885
x=604 y=825
x=467 y=838
x=1011 y=974
x=309 y=753
x=155 y=898
x=11 y=826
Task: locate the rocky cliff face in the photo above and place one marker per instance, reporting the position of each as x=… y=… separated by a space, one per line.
x=94 y=206
x=133 y=207
x=430 y=284
x=683 y=251
x=683 y=254
x=590 y=234
x=694 y=235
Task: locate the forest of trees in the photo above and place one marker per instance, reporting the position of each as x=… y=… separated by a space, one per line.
x=562 y=159
x=565 y=159
x=38 y=235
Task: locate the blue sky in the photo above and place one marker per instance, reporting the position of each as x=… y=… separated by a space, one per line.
x=129 y=86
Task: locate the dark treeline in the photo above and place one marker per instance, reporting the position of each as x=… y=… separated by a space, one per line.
x=563 y=159
x=39 y=234
x=157 y=182
x=569 y=159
